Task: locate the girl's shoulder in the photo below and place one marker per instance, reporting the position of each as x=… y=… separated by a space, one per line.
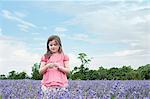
x=65 y=57
x=44 y=58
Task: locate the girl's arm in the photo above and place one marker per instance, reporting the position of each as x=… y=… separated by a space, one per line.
x=66 y=68
x=44 y=67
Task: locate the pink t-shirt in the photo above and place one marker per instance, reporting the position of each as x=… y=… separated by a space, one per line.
x=52 y=76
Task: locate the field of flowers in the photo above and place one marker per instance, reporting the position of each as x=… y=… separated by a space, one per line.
x=78 y=89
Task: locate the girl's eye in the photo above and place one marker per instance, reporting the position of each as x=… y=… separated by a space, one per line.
x=53 y=45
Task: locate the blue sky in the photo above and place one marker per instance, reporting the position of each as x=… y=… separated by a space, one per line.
x=113 y=32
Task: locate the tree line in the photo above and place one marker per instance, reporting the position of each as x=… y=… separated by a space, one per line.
x=82 y=72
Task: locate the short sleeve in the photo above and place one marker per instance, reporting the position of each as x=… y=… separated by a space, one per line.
x=66 y=58
x=43 y=59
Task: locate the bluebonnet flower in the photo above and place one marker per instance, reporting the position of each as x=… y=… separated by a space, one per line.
x=90 y=89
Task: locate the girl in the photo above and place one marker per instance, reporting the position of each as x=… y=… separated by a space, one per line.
x=54 y=67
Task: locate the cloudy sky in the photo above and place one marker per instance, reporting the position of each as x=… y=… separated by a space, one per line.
x=111 y=32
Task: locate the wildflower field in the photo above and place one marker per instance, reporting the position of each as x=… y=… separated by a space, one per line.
x=78 y=89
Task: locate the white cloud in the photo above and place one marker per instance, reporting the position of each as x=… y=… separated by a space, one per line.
x=117 y=22
x=127 y=52
x=16 y=16
x=111 y=60
x=39 y=39
x=60 y=29
x=108 y=21
x=23 y=27
x=111 y=17
x=83 y=37
x=111 y=21
x=19 y=14
x=79 y=36
x=15 y=55
x=61 y=35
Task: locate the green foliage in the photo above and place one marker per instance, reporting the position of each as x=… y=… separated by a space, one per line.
x=3 y=76
x=82 y=71
x=35 y=72
x=102 y=73
x=144 y=72
x=92 y=75
x=123 y=73
x=14 y=75
x=133 y=75
x=113 y=73
x=84 y=59
x=22 y=75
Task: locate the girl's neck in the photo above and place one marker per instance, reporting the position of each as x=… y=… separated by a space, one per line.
x=55 y=53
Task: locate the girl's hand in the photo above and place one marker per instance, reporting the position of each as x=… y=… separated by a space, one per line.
x=57 y=65
x=50 y=65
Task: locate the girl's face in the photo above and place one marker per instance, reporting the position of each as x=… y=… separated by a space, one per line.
x=53 y=46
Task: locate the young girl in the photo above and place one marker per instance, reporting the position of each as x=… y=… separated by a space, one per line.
x=54 y=66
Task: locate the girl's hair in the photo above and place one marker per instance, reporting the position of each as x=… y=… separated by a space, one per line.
x=58 y=41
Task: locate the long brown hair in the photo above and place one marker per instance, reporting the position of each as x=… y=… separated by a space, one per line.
x=58 y=41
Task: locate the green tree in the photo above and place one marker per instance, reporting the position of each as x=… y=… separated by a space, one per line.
x=92 y=75
x=12 y=75
x=82 y=71
x=102 y=73
x=35 y=72
x=113 y=73
x=3 y=76
x=144 y=72
x=15 y=75
x=84 y=61
x=124 y=72
x=133 y=75
x=22 y=75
